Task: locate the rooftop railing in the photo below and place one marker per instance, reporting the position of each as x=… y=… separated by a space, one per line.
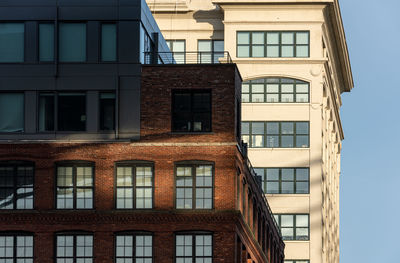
x=198 y=57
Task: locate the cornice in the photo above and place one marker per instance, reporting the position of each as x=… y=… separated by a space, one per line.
x=179 y=6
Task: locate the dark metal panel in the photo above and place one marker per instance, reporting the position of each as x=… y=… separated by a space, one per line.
x=129 y=69
x=86 y=83
x=128 y=48
x=93 y=41
x=18 y=84
x=92 y=111
x=26 y=70
x=30 y=111
x=31 y=42
x=27 y=2
x=87 y=2
x=85 y=69
x=31 y=13
x=129 y=106
x=129 y=13
x=88 y=13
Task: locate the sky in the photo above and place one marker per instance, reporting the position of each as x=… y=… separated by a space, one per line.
x=370 y=177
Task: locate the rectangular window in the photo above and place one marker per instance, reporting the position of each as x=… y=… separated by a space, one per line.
x=107 y=111
x=178 y=49
x=69 y=107
x=12 y=112
x=293 y=227
x=74 y=248
x=193 y=248
x=16 y=248
x=72 y=42
x=275 y=90
x=194 y=187
x=131 y=247
x=191 y=111
x=75 y=186
x=273 y=44
x=12 y=42
x=46 y=42
x=16 y=185
x=284 y=180
x=276 y=134
x=109 y=42
x=134 y=186
x=210 y=51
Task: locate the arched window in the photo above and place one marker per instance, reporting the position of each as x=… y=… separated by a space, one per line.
x=134 y=246
x=16 y=247
x=74 y=247
x=273 y=90
x=193 y=247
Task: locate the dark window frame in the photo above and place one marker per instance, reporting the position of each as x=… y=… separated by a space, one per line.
x=133 y=234
x=74 y=164
x=278 y=221
x=212 y=53
x=74 y=234
x=280 y=180
x=193 y=165
x=170 y=41
x=280 y=134
x=100 y=57
x=191 y=92
x=15 y=165
x=279 y=45
x=193 y=234
x=133 y=164
x=14 y=235
x=280 y=82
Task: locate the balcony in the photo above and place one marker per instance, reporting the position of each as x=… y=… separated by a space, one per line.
x=187 y=57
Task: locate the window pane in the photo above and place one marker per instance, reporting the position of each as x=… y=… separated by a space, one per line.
x=287 y=38
x=257 y=51
x=287 y=141
x=302 y=38
x=302 y=188
x=302 y=128
x=257 y=128
x=287 y=51
x=287 y=221
x=287 y=174
x=12 y=42
x=204 y=45
x=46 y=112
x=272 y=174
x=107 y=111
x=302 y=88
x=109 y=42
x=301 y=220
x=72 y=112
x=302 y=51
x=272 y=188
x=46 y=42
x=243 y=38
x=272 y=98
x=272 y=128
x=272 y=141
x=245 y=128
x=273 y=38
x=72 y=42
x=302 y=174
x=301 y=97
x=287 y=127
x=287 y=233
x=258 y=38
x=273 y=88
x=11 y=112
x=243 y=51
x=287 y=187
x=245 y=88
x=257 y=141
x=272 y=51
x=218 y=45
x=302 y=141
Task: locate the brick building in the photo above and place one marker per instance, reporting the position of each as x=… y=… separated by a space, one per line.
x=103 y=159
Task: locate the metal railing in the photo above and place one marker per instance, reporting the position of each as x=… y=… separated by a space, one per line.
x=244 y=150
x=199 y=57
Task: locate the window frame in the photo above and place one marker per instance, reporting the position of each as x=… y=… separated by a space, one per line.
x=279 y=45
x=278 y=221
x=280 y=82
x=16 y=234
x=133 y=234
x=265 y=180
x=193 y=164
x=191 y=92
x=15 y=164
x=100 y=55
x=280 y=134
x=74 y=164
x=171 y=41
x=74 y=234
x=17 y=22
x=193 y=234
x=58 y=32
x=134 y=164
x=213 y=53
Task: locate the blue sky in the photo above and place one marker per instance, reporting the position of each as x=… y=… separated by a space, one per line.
x=370 y=179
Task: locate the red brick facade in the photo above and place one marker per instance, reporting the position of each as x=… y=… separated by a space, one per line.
x=236 y=236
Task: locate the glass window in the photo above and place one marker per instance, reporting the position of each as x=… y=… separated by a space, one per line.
x=134 y=186
x=109 y=42
x=16 y=248
x=276 y=134
x=273 y=44
x=194 y=187
x=210 y=51
x=71 y=111
x=46 y=111
x=284 y=180
x=12 y=112
x=12 y=42
x=193 y=248
x=74 y=248
x=46 y=42
x=293 y=227
x=107 y=111
x=16 y=185
x=191 y=111
x=132 y=247
x=72 y=42
x=178 y=49
x=271 y=90
x=75 y=186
